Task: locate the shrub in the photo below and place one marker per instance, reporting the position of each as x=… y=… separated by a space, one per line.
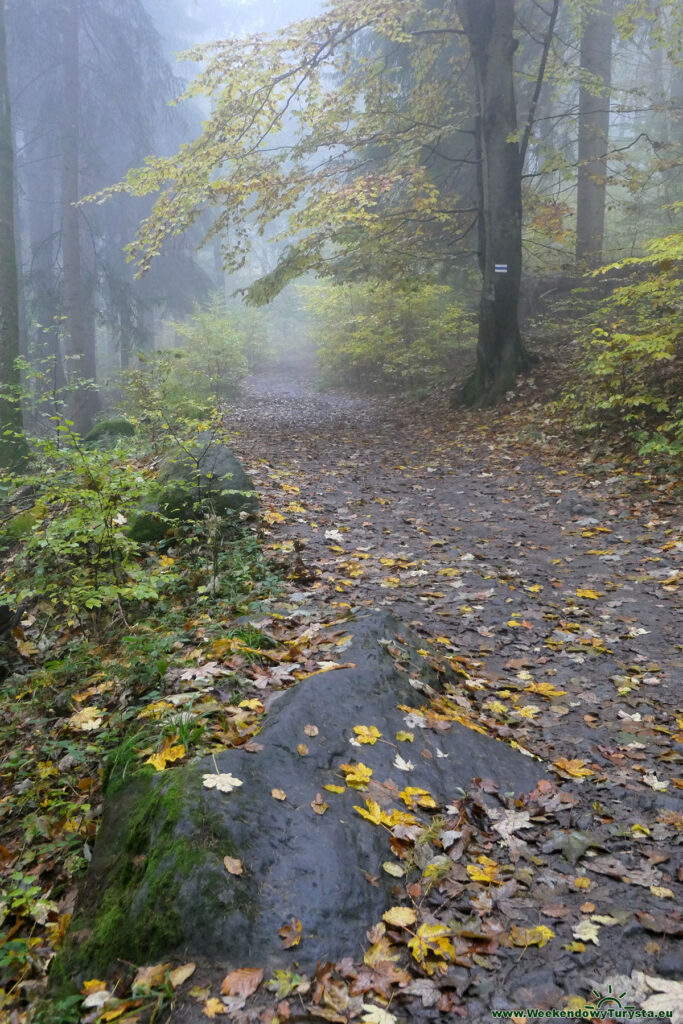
x=633 y=357
x=379 y=336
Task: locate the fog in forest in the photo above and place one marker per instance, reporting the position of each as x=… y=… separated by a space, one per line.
x=592 y=109
x=341 y=443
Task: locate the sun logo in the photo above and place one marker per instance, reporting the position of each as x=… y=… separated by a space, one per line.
x=611 y=999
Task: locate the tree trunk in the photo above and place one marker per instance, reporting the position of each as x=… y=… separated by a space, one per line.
x=501 y=355
x=594 y=102
x=79 y=334
x=12 y=443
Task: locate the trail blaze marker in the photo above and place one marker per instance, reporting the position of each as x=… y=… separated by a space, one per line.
x=500 y=268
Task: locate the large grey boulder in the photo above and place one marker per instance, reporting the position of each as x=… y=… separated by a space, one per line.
x=157 y=884
x=203 y=477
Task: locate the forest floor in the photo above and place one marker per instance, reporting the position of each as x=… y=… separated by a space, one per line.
x=548 y=576
x=543 y=576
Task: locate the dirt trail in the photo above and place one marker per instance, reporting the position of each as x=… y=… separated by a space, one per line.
x=546 y=583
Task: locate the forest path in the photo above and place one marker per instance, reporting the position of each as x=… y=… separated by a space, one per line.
x=551 y=587
x=519 y=564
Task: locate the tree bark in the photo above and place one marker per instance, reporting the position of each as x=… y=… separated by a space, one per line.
x=79 y=324
x=594 y=104
x=501 y=355
x=12 y=443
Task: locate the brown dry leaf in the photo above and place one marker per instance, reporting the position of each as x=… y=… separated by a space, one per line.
x=7 y=857
x=278 y=794
x=311 y=730
x=242 y=982
x=319 y=805
x=290 y=933
x=233 y=865
x=664 y=924
x=180 y=974
x=148 y=978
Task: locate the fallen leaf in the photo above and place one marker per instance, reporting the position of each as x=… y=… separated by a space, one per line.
x=400 y=917
x=432 y=940
x=393 y=869
x=413 y=795
x=290 y=933
x=661 y=892
x=367 y=734
x=587 y=931
x=179 y=975
x=574 y=767
x=214 y=1008
x=86 y=720
x=302 y=749
x=278 y=794
x=242 y=982
x=537 y=936
x=148 y=978
x=402 y=765
x=486 y=870
x=651 y=780
x=376 y=1015
x=233 y=865
x=319 y=805
x=311 y=730
x=224 y=782
x=356 y=775
x=169 y=752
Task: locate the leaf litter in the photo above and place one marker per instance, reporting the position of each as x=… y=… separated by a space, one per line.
x=561 y=645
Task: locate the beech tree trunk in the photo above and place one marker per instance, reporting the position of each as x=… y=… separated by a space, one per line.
x=12 y=444
x=501 y=355
x=79 y=335
x=594 y=103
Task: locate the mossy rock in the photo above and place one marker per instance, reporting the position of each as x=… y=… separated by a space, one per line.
x=205 y=478
x=110 y=430
x=128 y=905
x=157 y=886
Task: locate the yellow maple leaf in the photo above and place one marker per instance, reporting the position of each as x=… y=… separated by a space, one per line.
x=537 y=936
x=367 y=734
x=485 y=870
x=545 y=689
x=335 y=789
x=395 y=817
x=356 y=775
x=214 y=1007
x=93 y=985
x=573 y=767
x=413 y=795
x=405 y=737
x=380 y=952
x=373 y=812
x=429 y=942
x=169 y=752
x=592 y=594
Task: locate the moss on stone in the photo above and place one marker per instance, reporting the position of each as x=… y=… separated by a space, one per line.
x=135 y=918
x=109 y=430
